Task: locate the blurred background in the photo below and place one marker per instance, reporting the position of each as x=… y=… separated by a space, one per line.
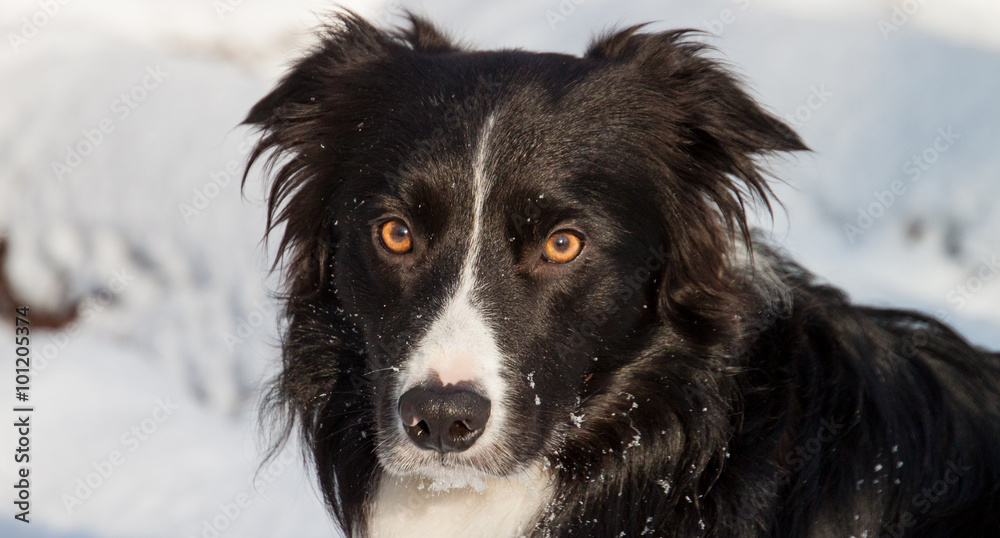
x=122 y=225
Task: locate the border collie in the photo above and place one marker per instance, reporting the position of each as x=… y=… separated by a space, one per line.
x=523 y=299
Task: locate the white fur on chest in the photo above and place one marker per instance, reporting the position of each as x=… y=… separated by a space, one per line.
x=491 y=508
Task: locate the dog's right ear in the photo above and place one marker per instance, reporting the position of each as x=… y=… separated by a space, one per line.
x=345 y=41
x=309 y=120
x=307 y=111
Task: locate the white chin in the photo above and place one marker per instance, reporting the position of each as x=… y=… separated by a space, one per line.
x=438 y=477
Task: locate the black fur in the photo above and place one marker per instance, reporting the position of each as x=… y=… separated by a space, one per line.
x=725 y=391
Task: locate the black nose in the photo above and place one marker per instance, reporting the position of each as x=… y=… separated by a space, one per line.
x=446 y=419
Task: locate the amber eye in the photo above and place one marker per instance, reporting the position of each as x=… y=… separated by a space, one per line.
x=395 y=235
x=563 y=247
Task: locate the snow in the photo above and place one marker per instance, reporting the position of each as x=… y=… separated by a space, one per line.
x=149 y=236
x=146 y=459
x=970 y=22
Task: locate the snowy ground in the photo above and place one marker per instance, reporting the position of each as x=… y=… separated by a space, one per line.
x=149 y=236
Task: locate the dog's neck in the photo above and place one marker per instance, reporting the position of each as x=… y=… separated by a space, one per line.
x=414 y=507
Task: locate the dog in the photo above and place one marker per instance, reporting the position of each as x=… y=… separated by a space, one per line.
x=522 y=298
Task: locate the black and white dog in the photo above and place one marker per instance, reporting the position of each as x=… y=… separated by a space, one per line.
x=523 y=300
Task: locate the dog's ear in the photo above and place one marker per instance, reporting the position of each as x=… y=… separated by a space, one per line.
x=346 y=40
x=310 y=121
x=306 y=113
x=423 y=36
x=705 y=109
x=709 y=136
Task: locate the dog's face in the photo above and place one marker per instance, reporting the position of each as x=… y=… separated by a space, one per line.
x=493 y=237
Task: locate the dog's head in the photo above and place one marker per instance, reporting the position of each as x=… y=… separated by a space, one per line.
x=488 y=239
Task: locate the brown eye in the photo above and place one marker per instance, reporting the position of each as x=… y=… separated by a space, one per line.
x=563 y=247
x=395 y=235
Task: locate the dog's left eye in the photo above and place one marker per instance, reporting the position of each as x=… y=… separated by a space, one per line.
x=396 y=238
x=563 y=247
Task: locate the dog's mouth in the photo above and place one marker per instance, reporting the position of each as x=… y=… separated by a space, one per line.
x=445 y=470
x=443 y=467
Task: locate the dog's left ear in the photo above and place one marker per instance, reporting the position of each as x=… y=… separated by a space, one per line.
x=703 y=105
x=709 y=136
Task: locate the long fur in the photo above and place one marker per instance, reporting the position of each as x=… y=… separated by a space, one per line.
x=736 y=396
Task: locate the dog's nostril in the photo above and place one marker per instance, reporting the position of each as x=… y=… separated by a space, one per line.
x=459 y=429
x=422 y=428
x=445 y=419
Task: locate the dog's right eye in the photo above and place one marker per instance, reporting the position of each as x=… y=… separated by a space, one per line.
x=395 y=236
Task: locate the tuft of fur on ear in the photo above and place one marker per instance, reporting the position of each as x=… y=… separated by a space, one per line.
x=423 y=36
x=344 y=40
x=710 y=136
x=309 y=120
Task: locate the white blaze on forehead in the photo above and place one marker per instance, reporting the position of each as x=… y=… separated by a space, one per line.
x=460 y=346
